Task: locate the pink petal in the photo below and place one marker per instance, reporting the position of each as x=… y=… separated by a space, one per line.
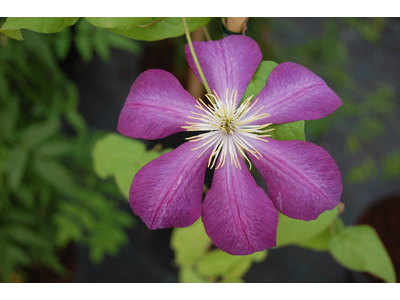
x=227 y=64
x=295 y=93
x=157 y=106
x=237 y=214
x=302 y=179
x=167 y=192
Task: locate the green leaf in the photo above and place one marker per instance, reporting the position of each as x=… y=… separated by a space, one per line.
x=56 y=175
x=39 y=46
x=20 y=215
x=166 y=28
x=11 y=257
x=26 y=236
x=124 y=43
x=117 y=23
x=8 y=113
x=36 y=133
x=44 y=195
x=18 y=255
x=288 y=131
x=188 y=275
x=105 y=239
x=25 y=196
x=78 y=213
x=359 y=248
x=232 y=280
x=14 y=34
x=217 y=262
x=101 y=44
x=292 y=230
x=259 y=79
x=320 y=242
x=84 y=40
x=67 y=230
x=42 y=25
x=391 y=164
x=62 y=43
x=122 y=157
x=76 y=121
x=189 y=243
x=17 y=164
x=363 y=170
x=55 y=149
x=51 y=260
x=239 y=269
x=259 y=256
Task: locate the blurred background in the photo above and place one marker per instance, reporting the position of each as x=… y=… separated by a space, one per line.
x=60 y=93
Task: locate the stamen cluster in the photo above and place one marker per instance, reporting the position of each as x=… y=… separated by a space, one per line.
x=228 y=129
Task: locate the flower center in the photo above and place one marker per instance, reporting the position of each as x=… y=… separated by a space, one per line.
x=227 y=125
x=228 y=128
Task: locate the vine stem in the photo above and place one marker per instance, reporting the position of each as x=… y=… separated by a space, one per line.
x=194 y=55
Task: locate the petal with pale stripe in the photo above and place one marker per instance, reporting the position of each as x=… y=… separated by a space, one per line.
x=302 y=178
x=237 y=214
x=167 y=192
x=157 y=106
x=295 y=93
x=227 y=64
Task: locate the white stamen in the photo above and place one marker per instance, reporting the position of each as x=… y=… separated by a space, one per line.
x=228 y=129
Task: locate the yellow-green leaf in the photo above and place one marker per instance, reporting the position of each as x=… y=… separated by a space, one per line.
x=152 y=30
x=121 y=157
x=359 y=248
x=37 y=24
x=189 y=243
x=292 y=230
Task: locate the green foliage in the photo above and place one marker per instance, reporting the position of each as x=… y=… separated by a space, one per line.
x=16 y=166
x=320 y=242
x=62 y=43
x=118 y=23
x=89 y=38
x=49 y=194
x=359 y=248
x=378 y=108
x=369 y=28
x=14 y=34
x=198 y=263
x=121 y=157
x=142 y=28
x=189 y=244
x=12 y=26
x=391 y=164
x=217 y=263
x=291 y=230
x=362 y=171
x=155 y=29
x=188 y=275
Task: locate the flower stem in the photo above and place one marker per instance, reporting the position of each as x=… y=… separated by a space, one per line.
x=194 y=55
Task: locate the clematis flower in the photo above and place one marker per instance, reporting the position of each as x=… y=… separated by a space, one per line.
x=240 y=218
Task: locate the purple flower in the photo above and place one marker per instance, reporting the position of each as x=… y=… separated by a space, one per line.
x=302 y=178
